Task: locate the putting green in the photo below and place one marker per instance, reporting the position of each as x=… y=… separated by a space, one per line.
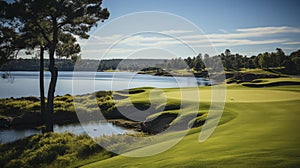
x=240 y=95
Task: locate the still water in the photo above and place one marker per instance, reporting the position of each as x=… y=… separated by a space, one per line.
x=21 y=84
x=93 y=129
x=27 y=83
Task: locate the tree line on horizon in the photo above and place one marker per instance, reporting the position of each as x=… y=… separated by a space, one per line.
x=33 y=64
x=289 y=64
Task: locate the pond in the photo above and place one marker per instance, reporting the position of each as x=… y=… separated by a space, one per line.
x=93 y=129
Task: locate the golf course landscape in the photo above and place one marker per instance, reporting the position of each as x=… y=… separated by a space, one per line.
x=149 y=84
x=259 y=128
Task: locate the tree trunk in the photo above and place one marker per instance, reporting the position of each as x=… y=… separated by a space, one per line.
x=54 y=73
x=42 y=92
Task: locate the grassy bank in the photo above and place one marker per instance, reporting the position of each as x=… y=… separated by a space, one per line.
x=24 y=112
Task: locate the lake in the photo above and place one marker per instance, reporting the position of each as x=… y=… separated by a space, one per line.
x=27 y=83
x=21 y=84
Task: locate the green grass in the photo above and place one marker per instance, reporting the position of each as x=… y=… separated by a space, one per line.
x=272 y=82
x=27 y=109
x=259 y=128
x=50 y=150
x=260 y=71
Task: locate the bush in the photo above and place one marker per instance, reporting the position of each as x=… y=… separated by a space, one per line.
x=103 y=93
x=36 y=106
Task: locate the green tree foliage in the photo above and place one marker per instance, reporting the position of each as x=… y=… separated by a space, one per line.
x=271 y=60
x=237 y=61
x=227 y=52
x=8 y=48
x=263 y=60
x=279 y=57
x=10 y=41
x=197 y=66
x=67 y=47
x=189 y=62
x=292 y=64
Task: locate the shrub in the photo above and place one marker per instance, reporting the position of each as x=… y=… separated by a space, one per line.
x=33 y=107
x=102 y=93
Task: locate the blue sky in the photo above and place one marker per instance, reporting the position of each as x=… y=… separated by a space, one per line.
x=212 y=15
x=243 y=26
x=248 y=27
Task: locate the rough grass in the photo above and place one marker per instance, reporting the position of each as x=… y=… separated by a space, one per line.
x=262 y=71
x=25 y=111
x=50 y=150
x=259 y=128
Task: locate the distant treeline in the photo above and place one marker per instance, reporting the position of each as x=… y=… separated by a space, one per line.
x=81 y=65
x=34 y=65
x=289 y=64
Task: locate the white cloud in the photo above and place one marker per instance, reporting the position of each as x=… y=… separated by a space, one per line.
x=271 y=30
x=247 y=42
x=176 y=31
x=239 y=37
x=245 y=36
x=255 y=32
x=293 y=43
x=134 y=40
x=110 y=51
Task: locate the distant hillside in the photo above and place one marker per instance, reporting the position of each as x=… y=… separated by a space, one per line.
x=82 y=65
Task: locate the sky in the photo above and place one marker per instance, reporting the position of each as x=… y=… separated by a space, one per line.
x=182 y=28
x=243 y=26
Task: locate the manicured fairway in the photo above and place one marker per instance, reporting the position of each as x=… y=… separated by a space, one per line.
x=264 y=132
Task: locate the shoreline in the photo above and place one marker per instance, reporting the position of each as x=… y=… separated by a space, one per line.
x=126 y=124
x=135 y=125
